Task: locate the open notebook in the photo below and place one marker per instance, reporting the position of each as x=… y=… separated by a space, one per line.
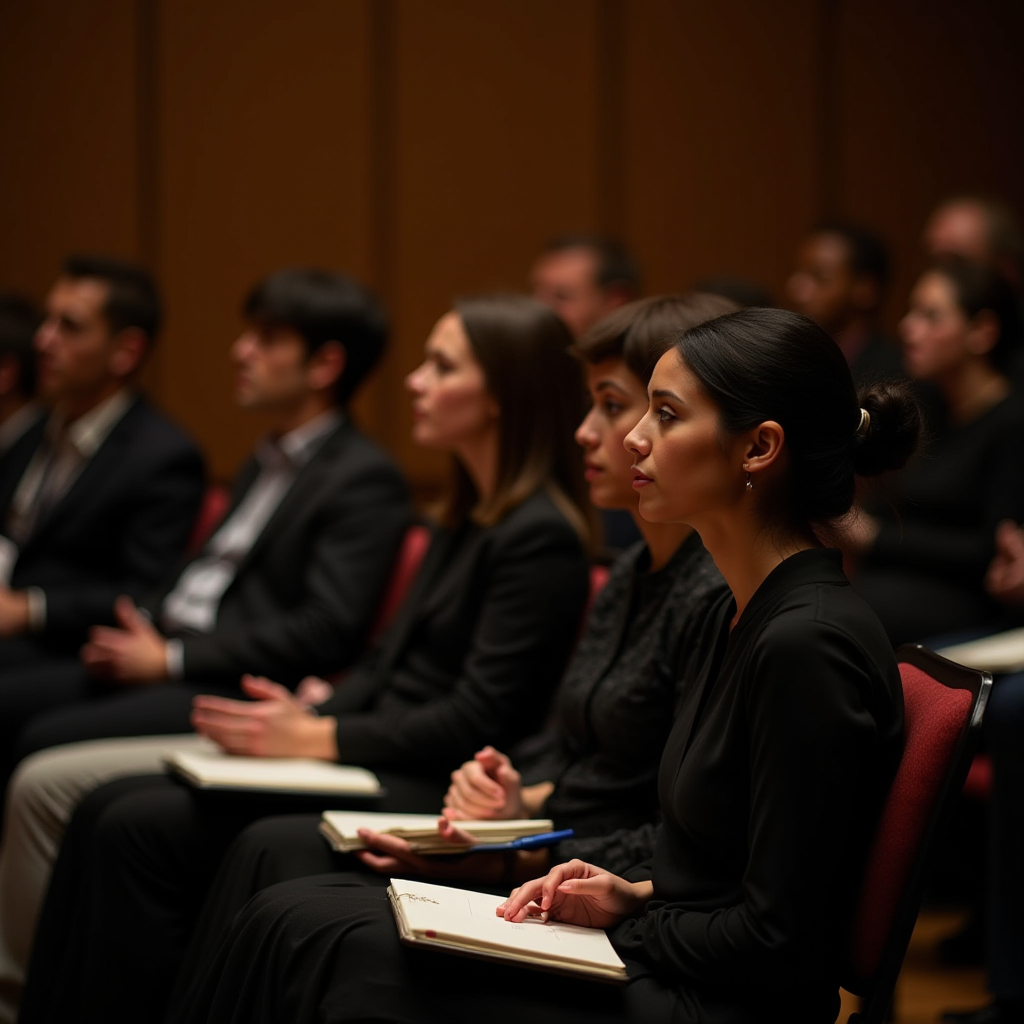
x=420 y=830
x=460 y=921
x=1003 y=652
x=298 y=775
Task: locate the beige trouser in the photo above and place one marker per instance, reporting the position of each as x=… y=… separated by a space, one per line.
x=40 y=801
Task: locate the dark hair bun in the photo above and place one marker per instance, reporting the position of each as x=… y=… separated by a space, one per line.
x=895 y=429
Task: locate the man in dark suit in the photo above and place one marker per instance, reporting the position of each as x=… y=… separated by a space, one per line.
x=98 y=498
x=289 y=582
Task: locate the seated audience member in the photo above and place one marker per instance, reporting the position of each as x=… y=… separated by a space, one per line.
x=839 y=281
x=741 y=290
x=289 y=582
x=594 y=770
x=98 y=499
x=471 y=658
x=583 y=278
x=1004 y=741
x=18 y=410
x=981 y=229
x=923 y=548
x=774 y=770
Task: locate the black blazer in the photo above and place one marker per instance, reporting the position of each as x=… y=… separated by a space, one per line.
x=120 y=527
x=303 y=598
x=475 y=653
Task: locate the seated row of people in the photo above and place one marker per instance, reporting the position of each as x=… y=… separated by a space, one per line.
x=124 y=652
x=741 y=416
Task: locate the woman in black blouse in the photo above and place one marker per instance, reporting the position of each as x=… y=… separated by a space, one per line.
x=925 y=543
x=472 y=657
x=775 y=768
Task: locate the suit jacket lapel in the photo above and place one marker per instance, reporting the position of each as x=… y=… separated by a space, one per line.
x=96 y=474
x=295 y=497
x=17 y=459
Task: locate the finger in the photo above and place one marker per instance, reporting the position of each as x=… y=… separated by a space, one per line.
x=375 y=862
x=475 y=786
x=382 y=842
x=221 y=705
x=128 y=616
x=452 y=834
x=260 y=688
x=515 y=905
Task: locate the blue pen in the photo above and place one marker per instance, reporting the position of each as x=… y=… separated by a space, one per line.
x=526 y=843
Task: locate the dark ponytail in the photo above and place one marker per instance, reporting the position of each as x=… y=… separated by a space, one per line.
x=770 y=364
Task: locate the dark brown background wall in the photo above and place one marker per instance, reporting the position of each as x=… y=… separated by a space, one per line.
x=431 y=147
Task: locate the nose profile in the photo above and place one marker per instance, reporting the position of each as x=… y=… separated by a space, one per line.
x=586 y=435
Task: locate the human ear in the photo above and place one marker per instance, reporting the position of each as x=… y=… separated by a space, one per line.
x=762 y=446
x=983 y=333
x=326 y=365
x=128 y=351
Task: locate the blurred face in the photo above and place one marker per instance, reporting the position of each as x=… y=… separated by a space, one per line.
x=958 y=229
x=619 y=401
x=567 y=282
x=452 y=407
x=823 y=286
x=682 y=469
x=935 y=331
x=271 y=364
x=78 y=354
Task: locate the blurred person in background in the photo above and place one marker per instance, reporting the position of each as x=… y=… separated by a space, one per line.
x=924 y=546
x=839 y=281
x=583 y=278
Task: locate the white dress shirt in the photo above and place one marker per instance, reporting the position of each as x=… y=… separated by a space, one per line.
x=193 y=603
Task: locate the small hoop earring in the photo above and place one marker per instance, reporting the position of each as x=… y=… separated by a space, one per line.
x=750 y=486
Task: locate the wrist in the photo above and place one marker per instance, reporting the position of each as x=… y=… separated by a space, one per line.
x=322 y=738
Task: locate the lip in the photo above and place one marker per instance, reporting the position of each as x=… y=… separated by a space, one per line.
x=640 y=480
x=591 y=470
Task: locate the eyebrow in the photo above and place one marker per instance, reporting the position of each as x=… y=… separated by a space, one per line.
x=601 y=384
x=663 y=393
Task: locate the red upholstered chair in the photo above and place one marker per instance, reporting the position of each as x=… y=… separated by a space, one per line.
x=407 y=564
x=944 y=703
x=211 y=512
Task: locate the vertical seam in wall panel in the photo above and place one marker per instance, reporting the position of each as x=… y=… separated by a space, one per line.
x=147 y=152
x=383 y=179
x=828 y=128
x=610 y=117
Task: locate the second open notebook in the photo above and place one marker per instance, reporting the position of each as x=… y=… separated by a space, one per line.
x=420 y=830
x=465 y=922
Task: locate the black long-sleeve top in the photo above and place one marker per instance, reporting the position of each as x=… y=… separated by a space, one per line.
x=475 y=652
x=644 y=643
x=924 y=572
x=770 y=785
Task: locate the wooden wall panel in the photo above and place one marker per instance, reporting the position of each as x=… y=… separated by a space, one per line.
x=719 y=140
x=930 y=103
x=430 y=148
x=68 y=138
x=494 y=150
x=263 y=133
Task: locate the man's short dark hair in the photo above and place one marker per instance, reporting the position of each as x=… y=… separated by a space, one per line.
x=615 y=266
x=19 y=319
x=868 y=256
x=321 y=306
x=132 y=298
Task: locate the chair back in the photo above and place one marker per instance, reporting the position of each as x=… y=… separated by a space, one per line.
x=211 y=511
x=943 y=707
x=407 y=564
